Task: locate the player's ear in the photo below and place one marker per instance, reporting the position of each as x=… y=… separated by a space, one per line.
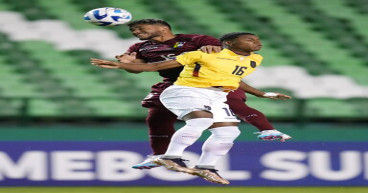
x=165 y=28
x=227 y=43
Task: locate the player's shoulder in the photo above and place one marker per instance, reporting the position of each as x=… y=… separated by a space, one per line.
x=256 y=55
x=195 y=52
x=193 y=36
x=140 y=44
x=192 y=54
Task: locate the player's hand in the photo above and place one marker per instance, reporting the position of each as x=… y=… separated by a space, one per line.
x=276 y=96
x=104 y=63
x=127 y=57
x=209 y=49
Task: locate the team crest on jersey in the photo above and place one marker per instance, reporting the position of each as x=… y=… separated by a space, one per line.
x=179 y=44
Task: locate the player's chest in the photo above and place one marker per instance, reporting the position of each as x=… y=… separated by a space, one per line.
x=166 y=51
x=234 y=65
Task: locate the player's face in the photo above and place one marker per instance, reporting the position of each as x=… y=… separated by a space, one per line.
x=249 y=43
x=146 y=31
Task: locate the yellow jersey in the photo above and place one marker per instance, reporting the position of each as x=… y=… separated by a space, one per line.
x=225 y=69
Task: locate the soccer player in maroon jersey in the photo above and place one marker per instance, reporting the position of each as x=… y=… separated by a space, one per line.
x=161 y=44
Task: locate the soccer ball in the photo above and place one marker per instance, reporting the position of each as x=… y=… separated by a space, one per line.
x=108 y=16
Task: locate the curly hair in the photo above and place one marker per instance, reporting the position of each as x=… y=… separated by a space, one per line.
x=233 y=35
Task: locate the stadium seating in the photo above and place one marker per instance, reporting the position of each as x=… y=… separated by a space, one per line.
x=313 y=50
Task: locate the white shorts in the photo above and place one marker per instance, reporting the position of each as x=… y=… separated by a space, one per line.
x=182 y=100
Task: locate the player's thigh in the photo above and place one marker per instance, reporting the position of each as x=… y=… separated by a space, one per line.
x=184 y=100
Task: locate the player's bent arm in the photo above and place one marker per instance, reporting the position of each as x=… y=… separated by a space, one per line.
x=270 y=95
x=251 y=90
x=143 y=67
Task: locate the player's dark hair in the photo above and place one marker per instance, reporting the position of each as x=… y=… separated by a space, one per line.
x=150 y=22
x=232 y=36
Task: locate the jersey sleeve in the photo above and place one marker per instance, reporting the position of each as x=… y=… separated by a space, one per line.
x=189 y=57
x=205 y=40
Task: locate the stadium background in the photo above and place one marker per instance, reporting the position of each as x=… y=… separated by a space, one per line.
x=315 y=51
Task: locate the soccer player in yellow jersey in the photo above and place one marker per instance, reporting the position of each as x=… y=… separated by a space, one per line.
x=198 y=97
x=224 y=69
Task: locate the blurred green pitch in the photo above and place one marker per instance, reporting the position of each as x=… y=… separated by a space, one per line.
x=165 y=189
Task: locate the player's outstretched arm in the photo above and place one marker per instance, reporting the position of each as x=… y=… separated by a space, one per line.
x=251 y=90
x=148 y=67
x=271 y=95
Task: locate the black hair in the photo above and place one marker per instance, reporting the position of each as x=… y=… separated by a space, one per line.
x=150 y=22
x=232 y=36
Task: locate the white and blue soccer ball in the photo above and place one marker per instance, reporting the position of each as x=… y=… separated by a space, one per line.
x=108 y=16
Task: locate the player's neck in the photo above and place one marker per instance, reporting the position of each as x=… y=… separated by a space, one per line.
x=163 y=38
x=240 y=52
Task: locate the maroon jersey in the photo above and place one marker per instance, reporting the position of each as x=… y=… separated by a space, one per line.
x=152 y=51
